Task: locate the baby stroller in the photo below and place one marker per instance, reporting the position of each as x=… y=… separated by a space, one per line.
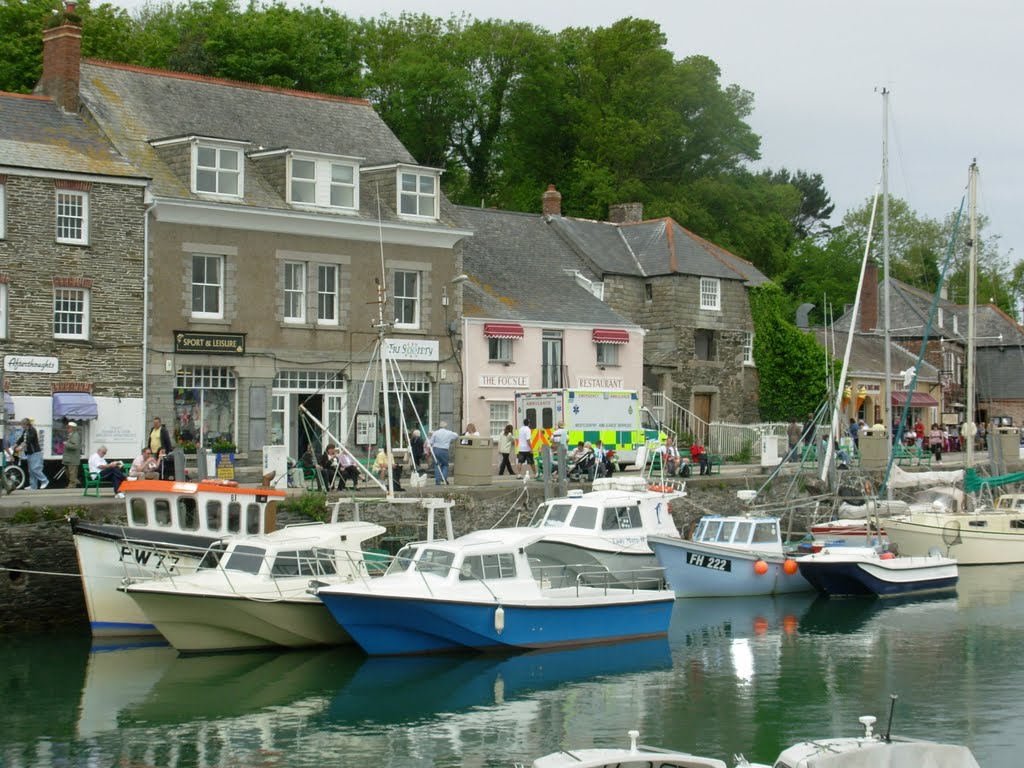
x=582 y=468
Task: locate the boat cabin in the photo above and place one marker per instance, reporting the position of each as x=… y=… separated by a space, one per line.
x=944 y=499
x=608 y=511
x=1010 y=502
x=756 y=533
x=205 y=508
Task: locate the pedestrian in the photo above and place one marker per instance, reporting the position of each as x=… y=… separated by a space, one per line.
x=471 y=430
x=523 y=445
x=793 y=432
x=144 y=466
x=72 y=457
x=159 y=438
x=417 y=445
x=30 y=449
x=855 y=432
x=440 y=446
x=919 y=435
x=506 y=442
x=808 y=430
x=936 y=441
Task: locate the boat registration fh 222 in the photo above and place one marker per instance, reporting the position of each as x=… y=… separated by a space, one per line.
x=708 y=561
x=148 y=558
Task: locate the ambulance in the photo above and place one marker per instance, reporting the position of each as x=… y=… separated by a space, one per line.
x=611 y=416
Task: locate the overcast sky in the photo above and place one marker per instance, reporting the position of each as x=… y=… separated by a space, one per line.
x=816 y=70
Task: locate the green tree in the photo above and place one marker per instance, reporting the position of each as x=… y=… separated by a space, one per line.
x=790 y=364
x=816 y=206
x=824 y=273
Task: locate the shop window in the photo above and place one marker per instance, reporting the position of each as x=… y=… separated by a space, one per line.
x=204 y=407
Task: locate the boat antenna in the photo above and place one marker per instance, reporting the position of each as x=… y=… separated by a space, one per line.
x=892 y=708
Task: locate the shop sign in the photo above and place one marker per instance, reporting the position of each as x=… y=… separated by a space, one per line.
x=30 y=364
x=209 y=343
x=511 y=380
x=599 y=382
x=412 y=349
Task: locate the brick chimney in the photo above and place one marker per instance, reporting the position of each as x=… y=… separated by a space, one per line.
x=626 y=213
x=869 y=299
x=551 y=202
x=62 y=53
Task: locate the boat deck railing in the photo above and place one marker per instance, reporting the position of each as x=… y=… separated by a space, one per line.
x=590 y=575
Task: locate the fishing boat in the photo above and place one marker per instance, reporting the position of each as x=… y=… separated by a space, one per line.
x=871 y=749
x=252 y=592
x=850 y=571
x=606 y=529
x=633 y=755
x=168 y=528
x=481 y=591
x=729 y=556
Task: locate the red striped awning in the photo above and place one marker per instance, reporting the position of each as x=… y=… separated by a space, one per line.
x=610 y=336
x=919 y=400
x=503 y=330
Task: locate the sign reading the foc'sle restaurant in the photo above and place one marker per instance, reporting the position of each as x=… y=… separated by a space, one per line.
x=209 y=343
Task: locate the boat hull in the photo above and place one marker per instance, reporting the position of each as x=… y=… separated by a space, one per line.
x=396 y=625
x=838 y=574
x=195 y=623
x=702 y=570
x=108 y=554
x=972 y=539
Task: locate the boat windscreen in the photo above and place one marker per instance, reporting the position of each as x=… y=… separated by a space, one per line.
x=556 y=516
x=437 y=561
x=245 y=559
x=402 y=560
x=765 y=533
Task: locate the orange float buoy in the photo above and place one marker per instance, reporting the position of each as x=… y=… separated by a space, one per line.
x=760 y=567
x=790 y=566
x=887 y=556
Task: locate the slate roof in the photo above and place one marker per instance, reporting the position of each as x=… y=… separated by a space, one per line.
x=911 y=307
x=517 y=268
x=35 y=133
x=653 y=248
x=136 y=105
x=867 y=357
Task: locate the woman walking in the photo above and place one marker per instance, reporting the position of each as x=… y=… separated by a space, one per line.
x=935 y=443
x=506 y=444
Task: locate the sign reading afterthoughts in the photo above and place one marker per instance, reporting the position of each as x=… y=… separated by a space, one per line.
x=209 y=343
x=31 y=364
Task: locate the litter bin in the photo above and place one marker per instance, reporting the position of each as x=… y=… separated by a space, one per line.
x=874 y=448
x=770 y=450
x=472 y=460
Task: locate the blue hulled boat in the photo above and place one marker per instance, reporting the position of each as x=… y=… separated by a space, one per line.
x=852 y=571
x=481 y=592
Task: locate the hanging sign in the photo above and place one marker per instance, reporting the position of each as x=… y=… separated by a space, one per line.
x=412 y=349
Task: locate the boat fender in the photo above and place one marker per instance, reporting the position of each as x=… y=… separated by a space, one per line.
x=499 y=619
x=760 y=567
x=660 y=488
x=887 y=556
x=790 y=566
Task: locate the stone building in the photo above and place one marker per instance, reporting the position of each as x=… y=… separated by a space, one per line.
x=690 y=297
x=72 y=259
x=279 y=219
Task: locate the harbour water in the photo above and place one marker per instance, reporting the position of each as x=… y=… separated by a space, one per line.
x=747 y=675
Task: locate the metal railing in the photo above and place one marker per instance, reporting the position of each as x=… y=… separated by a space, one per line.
x=719 y=437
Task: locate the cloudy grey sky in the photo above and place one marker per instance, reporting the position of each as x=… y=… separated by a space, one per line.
x=816 y=69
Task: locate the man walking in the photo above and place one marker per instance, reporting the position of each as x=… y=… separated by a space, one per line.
x=440 y=445
x=524 y=449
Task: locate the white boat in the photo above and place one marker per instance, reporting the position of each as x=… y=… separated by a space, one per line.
x=849 y=571
x=606 y=529
x=871 y=749
x=845 y=532
x=729 y=556
x=634 y=755
x=987 y=536
x=167 y=530
x=253 y=591
x=481 y=591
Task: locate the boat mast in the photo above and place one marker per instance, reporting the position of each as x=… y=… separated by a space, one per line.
x=382 y=326
x=970 y=428
x=887 y=387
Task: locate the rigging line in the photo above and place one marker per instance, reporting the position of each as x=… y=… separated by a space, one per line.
x=894 y=125
x=899 y=431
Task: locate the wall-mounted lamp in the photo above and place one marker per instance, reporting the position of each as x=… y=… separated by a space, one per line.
x=444 y=295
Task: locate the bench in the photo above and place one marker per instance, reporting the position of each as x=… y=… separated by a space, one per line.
x=92 y=482
x=714 y=464
x=911 y=454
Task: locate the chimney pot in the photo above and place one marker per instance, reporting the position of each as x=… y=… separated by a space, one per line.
x=551 y=202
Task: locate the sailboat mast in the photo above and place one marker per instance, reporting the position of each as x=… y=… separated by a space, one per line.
x=886 y=317
x=970 y=428
x=382 y=326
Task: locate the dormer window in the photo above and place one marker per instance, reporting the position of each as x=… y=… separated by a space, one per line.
x=217 y=169
x=322 y=181
x=417 y=193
